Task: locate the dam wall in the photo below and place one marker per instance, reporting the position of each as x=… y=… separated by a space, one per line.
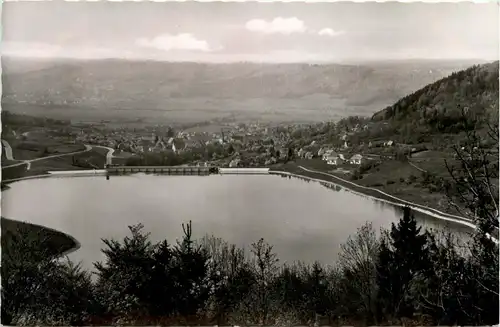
x=244 y=171
x=164 y=170
x=69 y=173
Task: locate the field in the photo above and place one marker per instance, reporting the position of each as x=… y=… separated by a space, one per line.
x=38 y=148
x=41 y=167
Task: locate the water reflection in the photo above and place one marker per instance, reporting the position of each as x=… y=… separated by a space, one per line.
x=431 y=224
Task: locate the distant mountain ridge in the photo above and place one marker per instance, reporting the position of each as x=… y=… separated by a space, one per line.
x=437 y=107
x=147 y=84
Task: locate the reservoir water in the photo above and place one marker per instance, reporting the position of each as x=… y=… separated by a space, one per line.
x=303 y=220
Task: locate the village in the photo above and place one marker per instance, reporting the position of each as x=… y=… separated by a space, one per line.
x=224 y=144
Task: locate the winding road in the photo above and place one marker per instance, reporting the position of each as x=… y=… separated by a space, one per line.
x=9 y=155
x=109 y=154
x=8 y=150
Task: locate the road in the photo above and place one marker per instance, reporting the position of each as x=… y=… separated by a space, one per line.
x=8 y=154
x=8 y=150
x=109 y=155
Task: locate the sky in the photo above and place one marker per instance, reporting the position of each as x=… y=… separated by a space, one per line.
x=251 y=31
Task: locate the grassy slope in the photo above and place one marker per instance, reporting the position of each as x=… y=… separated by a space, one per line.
x=56 y=243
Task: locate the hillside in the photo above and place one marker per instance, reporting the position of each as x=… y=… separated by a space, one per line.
x=436 y=108
x=153 y=85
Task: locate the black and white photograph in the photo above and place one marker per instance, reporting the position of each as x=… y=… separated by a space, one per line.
x=249 y=163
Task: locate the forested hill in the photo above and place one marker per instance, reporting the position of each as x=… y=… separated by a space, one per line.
x=436 y=108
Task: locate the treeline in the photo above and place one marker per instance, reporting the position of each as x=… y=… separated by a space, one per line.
x=10 y=120
x=405 y=275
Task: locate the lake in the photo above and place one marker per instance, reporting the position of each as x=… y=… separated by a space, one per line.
x=303 y=220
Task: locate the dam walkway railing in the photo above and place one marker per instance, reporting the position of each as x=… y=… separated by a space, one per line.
x=185 y=170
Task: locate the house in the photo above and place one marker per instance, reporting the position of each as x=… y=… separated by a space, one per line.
x=321 y=151
x=234 y=163
x=333 y=159
x=389 y=143
x=327 y=154
x=308 y=155
x=356 y=159
x=270 y=161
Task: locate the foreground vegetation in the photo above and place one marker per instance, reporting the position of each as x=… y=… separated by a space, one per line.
x=404 y=276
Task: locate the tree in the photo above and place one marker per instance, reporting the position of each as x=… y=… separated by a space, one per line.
x=230 y=277
x=357 y=261
x=170 y=132
x=289 y=290
x=265 y=268
x=473 y=189
x=316 y=295
x=190 y=268
x=403 y=257
x=230 y=149
x=140 y=279
x=290 y=154
x=123 y=278
x=444 y=291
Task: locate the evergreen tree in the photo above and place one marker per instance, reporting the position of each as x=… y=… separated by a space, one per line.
x=403 y=258
x=190 y=270
x=290 y=154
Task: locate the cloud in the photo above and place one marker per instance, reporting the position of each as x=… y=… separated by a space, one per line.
x=329 y=32
x=278 y=25
x=182 y=41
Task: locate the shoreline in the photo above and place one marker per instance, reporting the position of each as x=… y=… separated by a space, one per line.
x=431 y=212
x=386 y=198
